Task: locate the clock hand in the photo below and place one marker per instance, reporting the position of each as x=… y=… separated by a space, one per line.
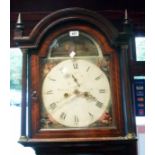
x=64 y=101
x=67 y=98
x=75 y=80
x=87 y=95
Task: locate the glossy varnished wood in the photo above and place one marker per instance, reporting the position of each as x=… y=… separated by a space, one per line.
x=120 y=138
x=109 y=147
x=117 y=129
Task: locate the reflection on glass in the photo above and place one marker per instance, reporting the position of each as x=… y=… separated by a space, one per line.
x=80 y=43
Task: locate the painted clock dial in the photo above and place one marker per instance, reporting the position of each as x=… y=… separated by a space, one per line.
x=76 y=93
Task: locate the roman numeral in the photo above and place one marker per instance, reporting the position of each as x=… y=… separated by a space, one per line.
x=52 y=79
x=49 y=92
x=91 y=115
x=76 y=119
x=98 y=77
x=101 y=90
x=63 y=116
x=75 y=65
x=88 y=69
x=53 y=106
x=99 y=104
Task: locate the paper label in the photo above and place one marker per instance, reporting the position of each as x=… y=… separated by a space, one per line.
x=73 y=33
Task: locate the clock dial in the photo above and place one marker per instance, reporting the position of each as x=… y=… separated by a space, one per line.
x=76 y=93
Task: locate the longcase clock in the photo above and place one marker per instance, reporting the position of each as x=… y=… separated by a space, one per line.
x=76 y=95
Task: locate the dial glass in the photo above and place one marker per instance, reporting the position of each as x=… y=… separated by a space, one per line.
x=73 y=41
x=76 y=89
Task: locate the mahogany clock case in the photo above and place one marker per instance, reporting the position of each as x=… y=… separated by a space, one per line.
x=120 y=128
x=115 y=129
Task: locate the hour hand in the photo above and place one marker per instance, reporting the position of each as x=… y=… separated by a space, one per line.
x=89 y=96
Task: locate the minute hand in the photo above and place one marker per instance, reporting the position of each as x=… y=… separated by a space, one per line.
x=75 y=80
x=61 y=103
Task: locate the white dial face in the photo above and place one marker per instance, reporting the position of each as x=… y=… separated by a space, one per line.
x=76 y=93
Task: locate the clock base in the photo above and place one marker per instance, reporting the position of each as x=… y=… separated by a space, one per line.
x=121 y=147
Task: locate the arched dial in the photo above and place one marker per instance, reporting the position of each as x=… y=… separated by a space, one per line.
x=76 y=93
